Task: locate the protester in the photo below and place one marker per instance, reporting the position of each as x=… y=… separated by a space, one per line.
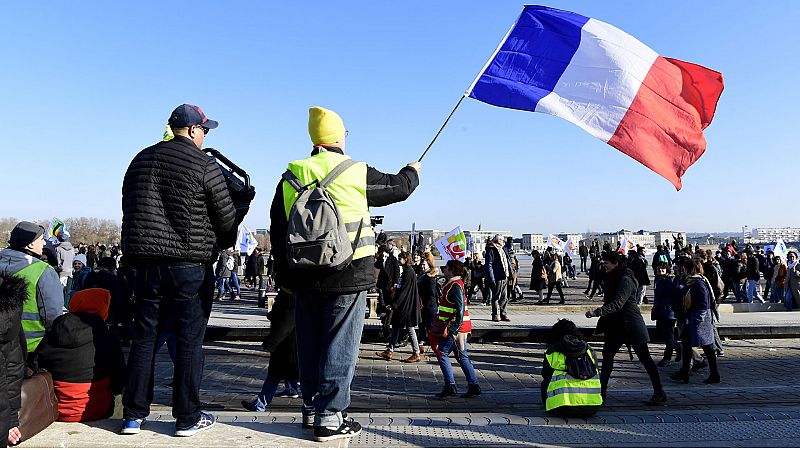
x=45 y=303
x=405 y=311
x=583 y=252
x=176 y=209
x=85 y=358
x=450 y=330
x=476 y=271
x=712 y=272
x=663 y=313
x=554 y=280
x=80 y=272
x=638 y=265
x=64 y=253
x=331 y=305
x=224 y=273
x=538 y=274
x=388 y=273
x=661 y=256
x=91 y=257
x=429 y=286
x=753 y=276
x=498 y=270
x=570 y=380
x=622 y=323
x=251 y=268
x=283 y=354
x=696 y=321
x=779 y=274
x=596 y=274
x=105 y=277
x=13 y=294
x=235 y=286
x=793 y=282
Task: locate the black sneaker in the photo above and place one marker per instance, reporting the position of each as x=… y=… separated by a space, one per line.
x=472 y=391
x=349 y=428
x=448 y=391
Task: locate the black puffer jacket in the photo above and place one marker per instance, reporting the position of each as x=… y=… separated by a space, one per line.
x=175 y=204
x=13 y=291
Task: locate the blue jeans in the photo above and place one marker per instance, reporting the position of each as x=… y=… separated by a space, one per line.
x=459 y=346
x=235 y=282
x=268 y=390
x=752 y=291
x=174 y=297
x=329 y=328
x=223 y=287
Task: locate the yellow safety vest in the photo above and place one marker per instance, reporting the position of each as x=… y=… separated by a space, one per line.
x=32 y=323
x=564 y=390
x=348 y=190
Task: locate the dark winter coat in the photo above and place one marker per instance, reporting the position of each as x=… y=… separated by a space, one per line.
x=281 y=341
x=664 y=298
x=697 y=302
x=110 y=282
x=494 y=266
x=639 y=267
x=175 y=205
x=426 y=285
x=382 y=190
x=620 y=318
x=752 y=271
x=406 y=303
x=388 y=271
x=87 y=365
x=13 y=292
x=537 y=280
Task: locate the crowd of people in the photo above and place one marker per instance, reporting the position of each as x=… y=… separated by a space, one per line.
x=70 y=310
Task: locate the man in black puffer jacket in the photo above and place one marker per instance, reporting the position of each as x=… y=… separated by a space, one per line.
x=176 y=210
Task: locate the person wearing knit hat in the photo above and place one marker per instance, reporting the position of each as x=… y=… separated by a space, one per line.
x=325 y=126
x=84 y=358
x=22 y=258
x=330 y=305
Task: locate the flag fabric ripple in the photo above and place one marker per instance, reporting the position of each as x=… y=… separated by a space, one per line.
x=653 y=109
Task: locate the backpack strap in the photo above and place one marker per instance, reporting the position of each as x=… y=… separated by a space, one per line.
x=341 y=167
x=293 y=181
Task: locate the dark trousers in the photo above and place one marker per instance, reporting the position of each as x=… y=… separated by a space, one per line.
x=557 y=285
x=708 y=351
x=665 y=328
x=610 y=350
x=583 y=264
x=173 y=296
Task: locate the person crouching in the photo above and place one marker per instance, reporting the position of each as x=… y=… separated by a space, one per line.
x=570 y=379
x=85 y=359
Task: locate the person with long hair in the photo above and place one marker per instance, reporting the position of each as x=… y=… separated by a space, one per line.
x=622 y=323
x=427 y=284
x=696 y=321
x=450 y=330
x=538 y=274
x=405 y=310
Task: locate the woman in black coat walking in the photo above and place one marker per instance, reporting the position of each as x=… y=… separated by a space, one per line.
x=13 y=292
x=538 y=274
x=405 y=310
x=622 y=323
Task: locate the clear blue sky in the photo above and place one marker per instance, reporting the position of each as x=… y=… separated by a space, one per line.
x=86 y=85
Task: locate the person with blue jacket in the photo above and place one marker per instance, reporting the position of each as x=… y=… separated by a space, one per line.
x=498 y=270
x=663 y=313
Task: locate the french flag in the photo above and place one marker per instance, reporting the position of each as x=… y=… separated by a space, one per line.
x=653 y=109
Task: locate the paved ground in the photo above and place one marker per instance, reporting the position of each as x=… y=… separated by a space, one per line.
x=757 y=404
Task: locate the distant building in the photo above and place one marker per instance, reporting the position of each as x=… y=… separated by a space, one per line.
x=262 y=231
x=769 y=235
x=641 y=237
x=533 y=241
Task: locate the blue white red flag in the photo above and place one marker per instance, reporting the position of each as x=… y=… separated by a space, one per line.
x=653 y=109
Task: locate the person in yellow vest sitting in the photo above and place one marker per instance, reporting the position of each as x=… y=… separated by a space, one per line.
x=570 y=379
x=45 y=297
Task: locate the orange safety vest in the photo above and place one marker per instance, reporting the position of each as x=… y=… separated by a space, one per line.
x=447 y=309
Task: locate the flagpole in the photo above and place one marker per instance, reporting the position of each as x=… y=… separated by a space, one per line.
x=443 y=125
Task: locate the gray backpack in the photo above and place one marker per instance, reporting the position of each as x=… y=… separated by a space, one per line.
x=316 y=237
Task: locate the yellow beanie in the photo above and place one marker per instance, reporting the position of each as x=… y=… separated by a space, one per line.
x=324 y=126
